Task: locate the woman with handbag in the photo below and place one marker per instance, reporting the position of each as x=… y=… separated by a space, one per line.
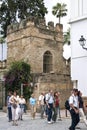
x=14 y=105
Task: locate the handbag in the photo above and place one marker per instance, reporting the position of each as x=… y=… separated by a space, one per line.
x=14 y=105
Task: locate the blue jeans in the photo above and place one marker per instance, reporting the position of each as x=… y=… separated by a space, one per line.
x=75 y=119
x=50 y=112
x=9 y=114
x=58 y=111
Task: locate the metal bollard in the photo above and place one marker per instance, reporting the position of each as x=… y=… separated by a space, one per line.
x=66 y=112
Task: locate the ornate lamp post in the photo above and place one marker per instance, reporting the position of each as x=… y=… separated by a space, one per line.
x=82 y=42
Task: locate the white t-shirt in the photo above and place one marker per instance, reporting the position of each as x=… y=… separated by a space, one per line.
x=41 y=99
x=49 y=98
x=74 y=100
x=22 y=101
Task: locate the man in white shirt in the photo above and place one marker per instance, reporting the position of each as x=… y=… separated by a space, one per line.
x=74 y=109
x=49 y=102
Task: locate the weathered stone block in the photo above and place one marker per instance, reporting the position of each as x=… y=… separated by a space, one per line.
x=32 y=43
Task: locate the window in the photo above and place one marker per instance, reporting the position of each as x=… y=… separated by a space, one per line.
x=47 y=62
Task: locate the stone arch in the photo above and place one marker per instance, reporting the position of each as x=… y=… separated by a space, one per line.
x=47 y=62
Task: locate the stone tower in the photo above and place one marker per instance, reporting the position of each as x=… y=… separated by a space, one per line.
x=41 y=46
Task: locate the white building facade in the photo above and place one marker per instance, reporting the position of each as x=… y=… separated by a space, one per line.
x=78 y=21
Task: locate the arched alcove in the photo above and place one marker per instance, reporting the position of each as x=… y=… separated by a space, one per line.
x=47 y=62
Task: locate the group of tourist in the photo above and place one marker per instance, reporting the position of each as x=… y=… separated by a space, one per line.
x=16 y=106
x=49 y=105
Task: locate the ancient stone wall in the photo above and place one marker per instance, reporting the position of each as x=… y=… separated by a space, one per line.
x=31 y=42
x=55 y=82
x=28 y=41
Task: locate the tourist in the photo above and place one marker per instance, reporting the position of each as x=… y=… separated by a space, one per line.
x=56 y=108
x=22 y=103
x=15 y=103
x=32 y=102
x=81 y=107
x=59 y=112
x=9 y=106
x=42 y=105
x=74 y=109
x=49 y=102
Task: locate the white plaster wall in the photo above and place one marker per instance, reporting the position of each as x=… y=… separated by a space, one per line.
x=78 y=9
x=84 y=7
x=79 y=55
x=79 y=73
x=74 y=8
x=77 y=29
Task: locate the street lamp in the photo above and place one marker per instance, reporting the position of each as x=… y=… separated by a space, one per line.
x=82 y=42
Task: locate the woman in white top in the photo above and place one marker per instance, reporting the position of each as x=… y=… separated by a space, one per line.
x=22 y=102
x=14 y=101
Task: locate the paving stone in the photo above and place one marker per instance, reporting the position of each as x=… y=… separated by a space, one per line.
x=37 y=124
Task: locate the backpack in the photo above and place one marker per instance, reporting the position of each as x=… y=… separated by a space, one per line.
x=67 y=106
x=14 y=105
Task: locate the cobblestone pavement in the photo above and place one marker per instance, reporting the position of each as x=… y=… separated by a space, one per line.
x=36 y=124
